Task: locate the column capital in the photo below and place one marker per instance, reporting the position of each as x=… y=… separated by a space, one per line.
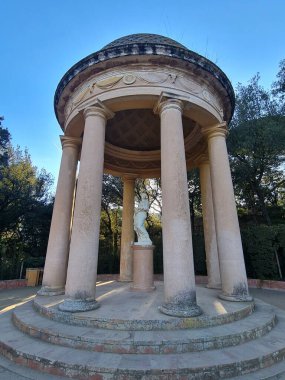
x=69 y=141
x=129 y=177
x=98 y=109
x=203 y=159
x=168 y=101
x=215 y=130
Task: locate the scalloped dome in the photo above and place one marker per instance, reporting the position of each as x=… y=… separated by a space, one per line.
x=143 y=38
x=141 y=48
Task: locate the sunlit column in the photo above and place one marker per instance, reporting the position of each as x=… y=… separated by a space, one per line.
x=212 y=257
x=179 y=277
x=127 y=238
x=232 y=267
x=59 y=237
x=82 y=266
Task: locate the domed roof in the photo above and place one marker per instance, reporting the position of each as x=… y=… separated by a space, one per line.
x=134 y=48
x=143 y=38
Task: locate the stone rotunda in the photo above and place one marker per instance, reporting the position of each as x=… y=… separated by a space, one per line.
x=145 y=106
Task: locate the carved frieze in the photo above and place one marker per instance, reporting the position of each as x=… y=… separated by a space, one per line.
x=137 y=77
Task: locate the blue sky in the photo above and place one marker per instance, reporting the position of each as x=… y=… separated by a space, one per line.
x=41 y=39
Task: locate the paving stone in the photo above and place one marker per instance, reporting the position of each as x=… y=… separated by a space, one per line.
x=155 y=342
x=264 y=347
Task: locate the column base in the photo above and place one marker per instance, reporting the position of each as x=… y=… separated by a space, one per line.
x=140 y=289
x=124 y=280
x=235 y=297
x=77 y=305
x=180 y=310
x=214 y=286
x=49 y=291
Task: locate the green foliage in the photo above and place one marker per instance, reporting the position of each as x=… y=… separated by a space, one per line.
x=256 y=145
x=108 y=258
x=278 y=87
x=109 y=243
x=194 y=193
x=199 y=254
x=4 y=145
x=25 y=208
x=155 y=234
x=263 y=245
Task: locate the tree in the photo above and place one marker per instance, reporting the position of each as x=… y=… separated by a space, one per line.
x=194 y=193
x=257 y=148
x=4 y=144
x=25 y=207
x=278 y=87
x=112 y=199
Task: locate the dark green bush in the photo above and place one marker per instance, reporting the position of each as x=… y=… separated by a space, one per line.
x=263 y=245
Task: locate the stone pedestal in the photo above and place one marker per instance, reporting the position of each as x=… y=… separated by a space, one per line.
x=143 y=268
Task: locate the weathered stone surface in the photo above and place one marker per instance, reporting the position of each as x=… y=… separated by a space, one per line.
x=145 y=342
x=139 y=315
x=252 y=343
x=80 y=364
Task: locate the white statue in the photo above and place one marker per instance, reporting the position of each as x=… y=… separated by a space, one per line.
x=139 y=219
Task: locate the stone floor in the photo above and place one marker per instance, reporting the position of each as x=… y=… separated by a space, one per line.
x=113 y=298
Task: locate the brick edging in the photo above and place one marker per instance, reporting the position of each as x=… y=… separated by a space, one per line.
x=12 y=284
x=253 y=283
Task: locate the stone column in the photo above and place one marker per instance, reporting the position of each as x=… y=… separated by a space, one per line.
x=59 y=237
x=82 y=266
x=232 y=267
x=127 y=238
x=179 y=277
x=212 y=256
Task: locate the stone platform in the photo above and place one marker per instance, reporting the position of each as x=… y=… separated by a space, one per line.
x=128 y=338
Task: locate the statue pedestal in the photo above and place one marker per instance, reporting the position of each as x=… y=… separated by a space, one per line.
x=143 y=268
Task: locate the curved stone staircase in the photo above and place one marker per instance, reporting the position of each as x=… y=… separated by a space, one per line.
x=127 y=338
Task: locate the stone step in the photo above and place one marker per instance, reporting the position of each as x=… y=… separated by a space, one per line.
x=275 y=372
x=141 y=312
x=80 y=364
x=145 y=342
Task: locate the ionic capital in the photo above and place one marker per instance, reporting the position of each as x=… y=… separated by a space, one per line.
x=129 y=177
x=203 y=159
x=168 y=101
x=70 y=142
x=98 y=109
x=215 y=130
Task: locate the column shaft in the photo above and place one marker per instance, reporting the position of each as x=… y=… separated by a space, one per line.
x=82 y=266
x=179 y=277
x=59 y=237
x=212 y=257
x=232 y=267
x=127 y=238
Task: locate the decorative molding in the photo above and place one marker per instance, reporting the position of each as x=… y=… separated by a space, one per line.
x=172 y=81
x=69 y=141
x=134 y=52
x=203 y=159
x=215 y=130
x=132 y=155
x=108 y=83
x=169 y=100
x=98 y=108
